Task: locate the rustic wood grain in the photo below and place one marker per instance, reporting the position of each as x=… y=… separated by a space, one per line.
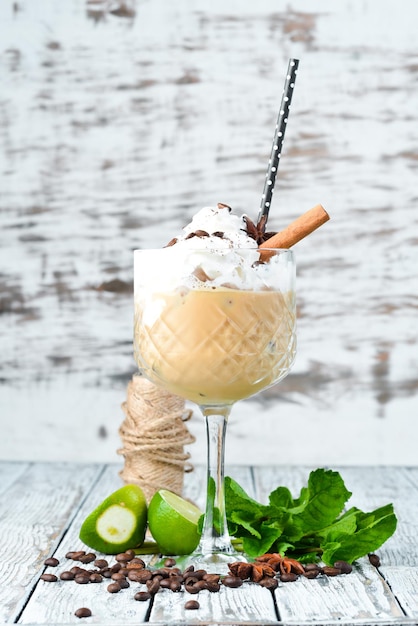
x=35 y=509
x=50 y=499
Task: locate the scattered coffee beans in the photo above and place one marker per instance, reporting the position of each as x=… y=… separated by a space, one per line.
x=374 y=560
x=114 y=588
x=344 y=567
x=142 y=596
x=52 y=562
x=192 y=605
x=49 y=578
x=83 y=612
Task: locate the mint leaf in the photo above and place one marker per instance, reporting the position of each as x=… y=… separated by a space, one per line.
x=372 y=530
x=321 y=501
x=310 y=527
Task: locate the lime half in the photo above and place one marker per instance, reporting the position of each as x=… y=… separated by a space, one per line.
x=173 y=523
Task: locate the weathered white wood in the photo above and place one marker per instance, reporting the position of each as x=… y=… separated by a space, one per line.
x=247 y=604
x=35 y=508
x=46 y=499
x=404 y=586
x=57 y=602
x=10 y=472
x=363 y=594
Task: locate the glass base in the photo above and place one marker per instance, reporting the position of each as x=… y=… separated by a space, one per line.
x=212 y=563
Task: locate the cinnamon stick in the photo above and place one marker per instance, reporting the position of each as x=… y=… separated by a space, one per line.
x=297 y=230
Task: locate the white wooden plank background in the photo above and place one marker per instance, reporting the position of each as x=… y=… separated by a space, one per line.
x=43 y=506
x=34 y=511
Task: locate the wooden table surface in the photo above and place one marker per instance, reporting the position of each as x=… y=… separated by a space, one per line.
x=42 y=506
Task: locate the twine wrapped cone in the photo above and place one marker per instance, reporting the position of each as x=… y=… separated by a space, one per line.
x=153 y=435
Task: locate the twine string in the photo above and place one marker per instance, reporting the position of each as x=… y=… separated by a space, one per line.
x=153 y=435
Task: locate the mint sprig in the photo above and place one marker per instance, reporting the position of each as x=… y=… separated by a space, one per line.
x=311 y=527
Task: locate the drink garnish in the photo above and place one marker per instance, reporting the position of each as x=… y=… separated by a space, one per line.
x=312 y=527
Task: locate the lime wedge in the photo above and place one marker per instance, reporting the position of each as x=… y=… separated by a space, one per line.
x=173 y=522
x=118 y=523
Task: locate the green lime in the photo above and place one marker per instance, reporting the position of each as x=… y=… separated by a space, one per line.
x=173 y=523
x=118 y=523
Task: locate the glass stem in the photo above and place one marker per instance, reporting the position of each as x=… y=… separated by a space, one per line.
x=215 y=537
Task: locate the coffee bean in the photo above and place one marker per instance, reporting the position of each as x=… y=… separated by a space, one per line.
x=330 y=571
x=345 y=567
x=232 y=581
x=67 y=575
x=87 y=558
x=101 y=563
x=123 y=557
x=123 y=584
x=95 y=577
x=83 y=612
x=118 y=576
x=82 y=579
x=175 y=584
x=153 y=585
x=169 y=562
x=142 y=596
x=116 y=567
x=192 y=605
x=311 y=567
x=374 y=560
x=77 y=555
x=49 y=578
x=269 y=583
x=130 y=553
x=52 y=562
x=135 y=564
x=288 y=577
x=312 y=573
x=106 y=573
x=212 y=586
x=191 y=588
x=176 y=571
x=214 y=578
x=70 y=555
x=189 y=569
x=199 y=573
x=143 y=575
x=114 y=588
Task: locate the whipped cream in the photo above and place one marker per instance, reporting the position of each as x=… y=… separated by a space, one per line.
x=218 y=219
x=220 y=255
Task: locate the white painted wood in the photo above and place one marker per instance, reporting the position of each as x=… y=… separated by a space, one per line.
x=47 y=496
x=57 y=602
x=362 y=594
x=34 y=511
x=404 y=586
x=247 y=604
x=9 y=473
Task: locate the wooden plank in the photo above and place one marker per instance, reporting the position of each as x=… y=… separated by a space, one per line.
x=404 y=586
x=375 y=486
x=35 y=507
x=57 y=602
x=362 y=595
x=9 y=473
x=247 y=604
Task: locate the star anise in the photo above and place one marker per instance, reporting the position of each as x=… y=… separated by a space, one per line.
x=251 y=571
x=281 y=563
x=258 y=231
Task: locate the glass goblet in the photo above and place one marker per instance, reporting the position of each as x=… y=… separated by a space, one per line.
x=214 y=326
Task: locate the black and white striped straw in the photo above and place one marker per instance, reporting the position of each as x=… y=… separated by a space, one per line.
x=276 y=148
